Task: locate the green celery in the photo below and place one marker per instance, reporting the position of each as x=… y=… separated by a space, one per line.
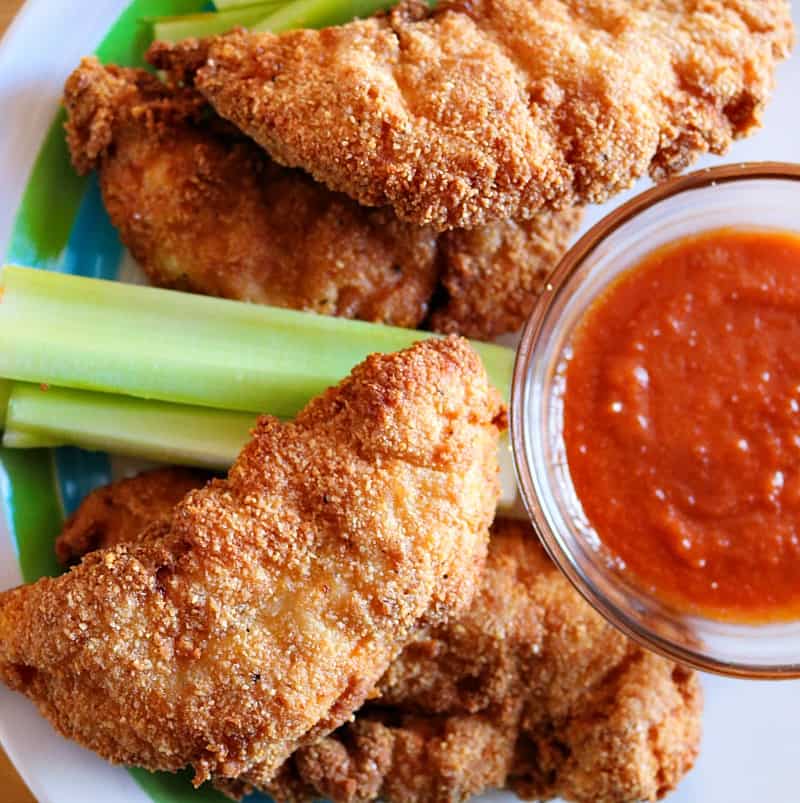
x=224 y=5
x=154 y=430
x=275 y=16
x=5 y=391
x=171 y=433
x=173 y=29
x=319 y=13
x=19 y=439
x=91 y=334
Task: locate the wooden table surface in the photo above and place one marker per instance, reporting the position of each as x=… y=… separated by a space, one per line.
x=12 y=789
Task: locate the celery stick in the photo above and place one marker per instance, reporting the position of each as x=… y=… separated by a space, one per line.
x=153 y=430
x=275 y=16
x=19 y=439
x=173 y=433
x=5 y=391
x=224 y=5
x=173 y=29
x=319 y=14
x=92 y=334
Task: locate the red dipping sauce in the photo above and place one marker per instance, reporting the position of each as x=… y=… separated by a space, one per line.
x=682 y=423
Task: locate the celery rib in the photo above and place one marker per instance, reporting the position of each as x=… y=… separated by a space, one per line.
x=91 y=334
x=172 y=433
x=5 y=392
x=153 y=430
x=320 y=14
x=225 y=5
x=275 y=16
x=175 y=28
x=19 y=439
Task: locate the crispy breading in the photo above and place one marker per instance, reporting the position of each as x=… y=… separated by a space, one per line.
x=633 y=738
x=259 y=617
x=528 y=689
x=118 y=513
x=493 y=274
x=121 y=512
x=483 y=110
x=204 y=209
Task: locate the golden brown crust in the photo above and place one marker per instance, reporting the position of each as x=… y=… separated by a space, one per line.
x=272 y=602
x=528 y=689
x=492 y=275
x=410 y=758
x=120 y=512
x=99 y=98
x=203 y=209
x=484 y=110
x=632 y=737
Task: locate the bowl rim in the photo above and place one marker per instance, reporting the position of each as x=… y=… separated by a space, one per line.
x=562 y=557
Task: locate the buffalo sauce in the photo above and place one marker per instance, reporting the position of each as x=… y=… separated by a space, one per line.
x=682 y=423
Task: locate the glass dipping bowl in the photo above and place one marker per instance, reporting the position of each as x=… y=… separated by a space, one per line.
x=753 y=196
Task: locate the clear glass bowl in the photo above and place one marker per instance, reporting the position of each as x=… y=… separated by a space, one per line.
x=765 y=196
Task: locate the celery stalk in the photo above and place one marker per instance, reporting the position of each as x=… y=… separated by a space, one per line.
x=224 y=5
x=154 y=430
x=19 y=439
x=275 y=16
x=171 y=433
x=173 y=29
x=319 y=13
x=91 y=334
x=5 y=392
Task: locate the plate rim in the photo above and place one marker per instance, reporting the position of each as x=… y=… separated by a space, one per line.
x=36 y=21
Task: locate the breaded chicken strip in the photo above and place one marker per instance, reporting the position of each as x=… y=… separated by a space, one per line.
x=493 y=274
x=259 y=617
x=483 y=110
x=528 y=689
x=203 y=209
x=120 y=512
x=633 y=737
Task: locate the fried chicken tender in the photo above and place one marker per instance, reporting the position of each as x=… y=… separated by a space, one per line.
x=529 y=689
x=633 y=738
x=493 y=274
x=261 y=615
x=483 y=110
x=120 y=512
x=204 y=209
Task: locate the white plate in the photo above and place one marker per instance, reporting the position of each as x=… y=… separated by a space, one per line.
x=752 y=729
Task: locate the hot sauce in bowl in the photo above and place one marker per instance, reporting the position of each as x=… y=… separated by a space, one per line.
x=682 y=423
x=654 y=421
